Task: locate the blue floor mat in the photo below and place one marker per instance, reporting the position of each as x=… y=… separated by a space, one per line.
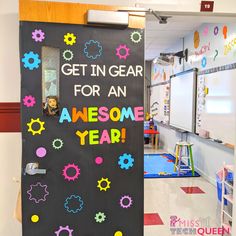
x=162 y=166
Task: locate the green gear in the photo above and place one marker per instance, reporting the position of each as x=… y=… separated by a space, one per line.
x=68 y=55
x=136 y=37
x=100 y=217
x=57 y=143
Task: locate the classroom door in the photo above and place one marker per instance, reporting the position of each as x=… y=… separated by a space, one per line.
x=82 y=130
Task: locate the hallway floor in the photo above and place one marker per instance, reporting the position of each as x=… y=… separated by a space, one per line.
x=191 y=200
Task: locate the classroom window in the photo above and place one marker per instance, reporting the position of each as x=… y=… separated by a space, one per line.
x=50 y=80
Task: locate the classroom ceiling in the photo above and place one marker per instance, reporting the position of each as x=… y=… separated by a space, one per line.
x=161 y=37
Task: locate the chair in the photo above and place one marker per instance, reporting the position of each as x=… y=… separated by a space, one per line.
x=183 y=152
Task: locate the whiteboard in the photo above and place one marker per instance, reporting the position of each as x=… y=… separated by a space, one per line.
x=182 y=100
x=159 y=102
x=216 y=108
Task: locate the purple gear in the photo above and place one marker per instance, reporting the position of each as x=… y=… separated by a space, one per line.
x=38 y=35
x=41 y=198
x=216 y=30
x=61 y=229
x=123 y=198
x=29 y=101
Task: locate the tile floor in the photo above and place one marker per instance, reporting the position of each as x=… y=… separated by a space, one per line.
x=167 y=198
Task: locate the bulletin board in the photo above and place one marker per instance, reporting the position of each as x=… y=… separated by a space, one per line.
x=160 y=73
x=160 y=92
x=159 y=102
x=92 y=145
x=216 y=103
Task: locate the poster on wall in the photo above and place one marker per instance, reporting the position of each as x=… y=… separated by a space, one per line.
x=159 y=102
x=82 y=130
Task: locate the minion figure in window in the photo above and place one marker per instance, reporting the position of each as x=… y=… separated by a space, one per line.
x=51 y=107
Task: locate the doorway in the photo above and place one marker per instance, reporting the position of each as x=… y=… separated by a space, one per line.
x=176 y=202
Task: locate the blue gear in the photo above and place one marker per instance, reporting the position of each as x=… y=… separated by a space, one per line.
x=126 y=161
x=92 y=43
x=76 y=198
x=31 y=60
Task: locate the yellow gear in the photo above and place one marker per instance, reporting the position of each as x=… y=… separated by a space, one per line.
x=41 y=126
x=103 y=180
x=69 y=39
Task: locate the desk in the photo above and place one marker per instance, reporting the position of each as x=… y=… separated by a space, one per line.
x=155 y=134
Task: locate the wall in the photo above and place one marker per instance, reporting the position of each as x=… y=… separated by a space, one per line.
x=147 y=83
x=234 y=205
x=160 y=73
x=208 y=156
x=10 y=143
x=226 y=6
x=9 y=48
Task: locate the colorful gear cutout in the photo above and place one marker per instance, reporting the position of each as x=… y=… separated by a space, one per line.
x=75 y=168
x=122 y=51
x=136 y=37
x=204 y=62
x=57 y=143
x=44 y=191
x=73 y=198
x=101 y=182
x=68 y=55
x=36 y=121
x=216 y=30
x=118 y=233
x=62 y=229
x=38 y=35
x=128 y=199
x=31 y=60
x=35 y=218
x=126 y=161
x=29 y=101
x=92 y=43
x=69 y=39
x=100 y=217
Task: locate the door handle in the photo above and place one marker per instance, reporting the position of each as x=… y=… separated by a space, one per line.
x=33 y=169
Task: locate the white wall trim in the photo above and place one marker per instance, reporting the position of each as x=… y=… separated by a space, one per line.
x=206 y=177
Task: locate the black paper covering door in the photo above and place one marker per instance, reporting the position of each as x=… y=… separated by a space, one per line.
x=92 y=146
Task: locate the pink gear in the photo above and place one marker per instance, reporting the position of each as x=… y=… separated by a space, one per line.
x=29 y=101
x=71 y=166
x=130 y=201
x=38 y=35
x=61 y=229
x=123 y=48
